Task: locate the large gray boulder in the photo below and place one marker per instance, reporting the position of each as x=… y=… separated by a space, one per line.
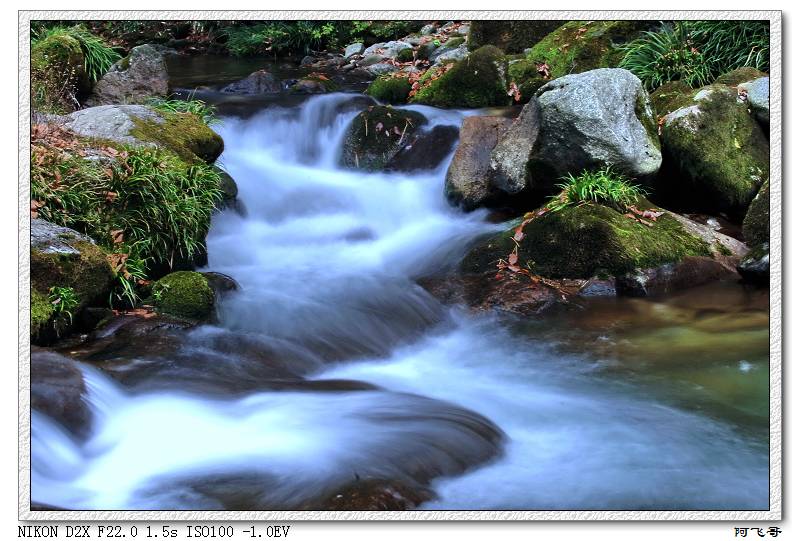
x=112 y=122
x=595 y=119
x=508 y=163
x=259 y=82
x=136 y=78
x=468 y=182
x=717 y=151
x=758 y=97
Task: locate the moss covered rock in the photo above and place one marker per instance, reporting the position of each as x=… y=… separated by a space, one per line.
x=389 y=89
x=591 y=240
x=184 y=134
x=62 y=257
x=716 y=152
x=58 y=76
x=134 y=79
x=755 y=226
x=578 y=46
x=509 y=36
x=376 y=135
x=669 y=96
x=184 y=294
x=739 y=76
x=477 y=81
x=525 y=74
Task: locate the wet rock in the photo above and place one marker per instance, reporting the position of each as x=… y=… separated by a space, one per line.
x=755 y=227
x=220 y=283
x=689 y=272
x=311 y=85
x=57 y=390
x=376 y=135
x=425 y=150
x=377 y=495
x=595 y=119
x=754 y=267
x=259 y=82
x=230 y=190
x=468 y=182
x=134 y=79
x=508 y=165
x=717 y=154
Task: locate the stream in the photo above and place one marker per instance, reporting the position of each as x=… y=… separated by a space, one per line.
x=625 y=404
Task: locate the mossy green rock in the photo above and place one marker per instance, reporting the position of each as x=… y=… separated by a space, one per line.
x=184 y=134
x=477 y=81
x=739 y=76
x=184 y=294
x=376 y=135
x=509 y=36
x=58 y=75
x=526 y=76
x=575 y=47
x=62 y=257
x=669 y=96
x=717 y=152
x=590 y=240
x=390 y=89
x=755 y=226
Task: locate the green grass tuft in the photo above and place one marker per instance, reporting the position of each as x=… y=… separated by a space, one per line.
x=98 y=57
x=604 y=186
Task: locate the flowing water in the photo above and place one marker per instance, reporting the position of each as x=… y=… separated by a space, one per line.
x=625 y=404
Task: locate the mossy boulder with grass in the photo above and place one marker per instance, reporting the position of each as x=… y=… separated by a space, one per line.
x=575 y=47
x=63 y=258
x=477 y=81
x=315 y=83
x=184 y=134
x=184 y=294
x=58 y=75
x=592 y=239
x=509 y=36
x=389 y=89
x=716 y=154
x=755 y=227
x=376 y=135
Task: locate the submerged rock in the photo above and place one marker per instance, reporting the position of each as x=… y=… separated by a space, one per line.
x=136 y=78
x=259 y=82
x=425 y=150
x=716 y=152
x=376 y=135
x=468 y=181
x=57 y=390
x=377 y=495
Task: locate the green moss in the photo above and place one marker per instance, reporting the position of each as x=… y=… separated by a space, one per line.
x=405 y=55
x=183 y=294
x=579 y=46
x=589 y=240
x=755 y=226
x=88 y=272
x=185 y=134
x=376 y=135
x=739 y=76
x=58 y=76
x=509 y=36
x=41 y=312
x=671 y=96
x=389 y=89
x=719 y=152
x=525 y=74
x=452 y=43
x=644 y=112
x=476 y=81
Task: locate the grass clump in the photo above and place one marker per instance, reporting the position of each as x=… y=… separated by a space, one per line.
x=147 y=207
x=697 y=52
x=98 y=56
x=64 y=301
x=603 y=186
x=199 y=108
